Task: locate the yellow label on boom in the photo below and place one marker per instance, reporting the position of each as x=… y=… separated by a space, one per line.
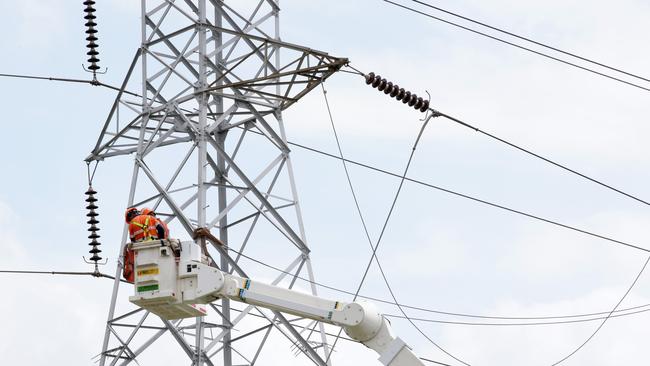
x=148 y=271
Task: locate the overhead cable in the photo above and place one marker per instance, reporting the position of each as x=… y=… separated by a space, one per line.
x=564 y=167
x=531 y=40
x=619 y=312
x=68 y=80
x=475 y=199
x=93 y=274
x=406 y=97
x=394 y=91
x=519 y=46
x=629 y=289
x=294 y=323
x=434 y=362
x=518 y=324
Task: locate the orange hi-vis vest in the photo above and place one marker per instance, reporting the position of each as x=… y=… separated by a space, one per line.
x=143 y=227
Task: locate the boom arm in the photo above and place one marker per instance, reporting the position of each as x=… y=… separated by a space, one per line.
x=175 y=287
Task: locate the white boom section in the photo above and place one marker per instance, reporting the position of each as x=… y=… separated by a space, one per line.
x=176 y=286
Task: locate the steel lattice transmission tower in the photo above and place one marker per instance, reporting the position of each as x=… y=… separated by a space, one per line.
x=201 y=108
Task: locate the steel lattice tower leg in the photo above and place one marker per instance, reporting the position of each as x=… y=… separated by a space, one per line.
x=203 y=100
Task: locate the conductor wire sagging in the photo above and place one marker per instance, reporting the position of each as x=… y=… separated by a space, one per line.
x=377 y=82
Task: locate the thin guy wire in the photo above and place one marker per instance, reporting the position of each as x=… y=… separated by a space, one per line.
x=531 y=40
x=488 y=203
x=608 y=316
x=359 y=212
x=354 y=195
x=520 y=47
x=374 y=250
x=545 y=159
x=381 y=235
x=450 y=313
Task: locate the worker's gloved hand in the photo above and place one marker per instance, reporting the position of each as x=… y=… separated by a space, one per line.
x=200 y=232
x=203 y=232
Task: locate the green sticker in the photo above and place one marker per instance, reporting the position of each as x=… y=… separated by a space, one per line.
x=148 y=288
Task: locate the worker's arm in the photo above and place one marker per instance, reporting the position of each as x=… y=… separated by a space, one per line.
x=161 y=231
x=172 y=290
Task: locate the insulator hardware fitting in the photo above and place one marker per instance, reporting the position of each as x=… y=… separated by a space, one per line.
x=396 y=92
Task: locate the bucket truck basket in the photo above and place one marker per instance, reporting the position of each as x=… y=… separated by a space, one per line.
x=156 y=284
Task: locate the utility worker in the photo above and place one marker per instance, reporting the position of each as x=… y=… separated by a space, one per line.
x=142 y=227
x=162 y=234
x=145 y=227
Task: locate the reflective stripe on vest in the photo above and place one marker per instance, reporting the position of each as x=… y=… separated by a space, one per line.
x=146 y=229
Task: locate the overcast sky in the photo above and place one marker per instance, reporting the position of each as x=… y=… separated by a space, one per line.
x=440 y=251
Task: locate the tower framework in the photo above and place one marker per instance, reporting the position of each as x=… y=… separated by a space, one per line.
x=201 y=108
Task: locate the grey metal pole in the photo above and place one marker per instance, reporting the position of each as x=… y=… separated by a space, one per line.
x=223 y=235
x=202 y=151
x=222 y=193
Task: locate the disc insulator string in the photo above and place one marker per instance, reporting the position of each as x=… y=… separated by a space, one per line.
x=92 y=221
x=405 y=96
x=91 y=37
x=93 y=229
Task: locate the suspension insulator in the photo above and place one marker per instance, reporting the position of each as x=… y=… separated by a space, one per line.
x=400 y=94
x=375 y=83
x=382 y=85
x=370 y=78
x=425 y=106
x=389 y=88
x=406 y=97
x=91 y=38
x=93 y=229
x=418 y=104
x=414 y=99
